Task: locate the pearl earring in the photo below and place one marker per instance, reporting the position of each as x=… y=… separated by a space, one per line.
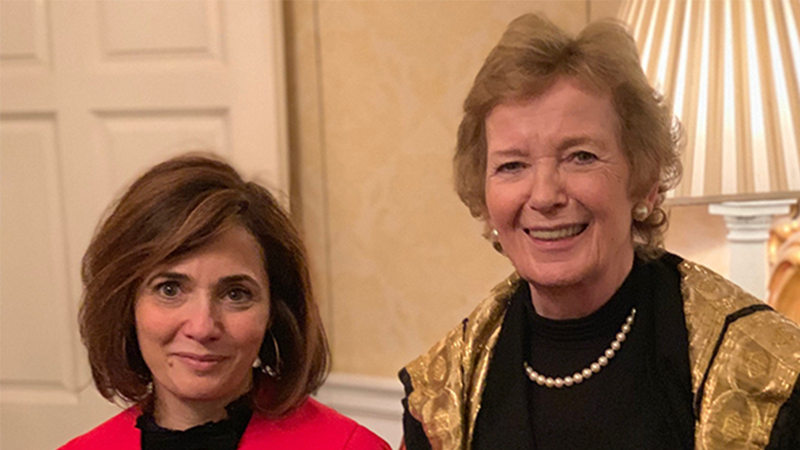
x=641 y=212
x=496 y=241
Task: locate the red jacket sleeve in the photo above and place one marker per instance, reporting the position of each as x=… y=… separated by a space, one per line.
x=119 y=433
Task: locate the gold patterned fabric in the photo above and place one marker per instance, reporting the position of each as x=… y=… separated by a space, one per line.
x=754 y=370
x=754 y=363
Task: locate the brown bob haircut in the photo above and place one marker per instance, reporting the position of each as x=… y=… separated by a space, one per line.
x=532 y=54
x=175 y=208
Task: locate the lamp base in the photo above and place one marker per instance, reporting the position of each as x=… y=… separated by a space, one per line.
x=748 y=231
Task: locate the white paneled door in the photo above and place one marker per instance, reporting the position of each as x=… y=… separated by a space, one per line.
x=92 y=93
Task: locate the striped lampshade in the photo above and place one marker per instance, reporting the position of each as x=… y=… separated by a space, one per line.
x=731 y=69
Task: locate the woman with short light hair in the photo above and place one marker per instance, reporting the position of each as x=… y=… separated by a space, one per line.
x=600 y=339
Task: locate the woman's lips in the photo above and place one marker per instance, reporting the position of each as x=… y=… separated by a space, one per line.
x=199 y=362
x=554 y=234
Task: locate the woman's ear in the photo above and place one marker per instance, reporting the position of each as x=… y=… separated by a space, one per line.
x=487 y=228
x=651 y=199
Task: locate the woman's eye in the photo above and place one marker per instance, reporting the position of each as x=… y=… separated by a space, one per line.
x=583 y=157
x=509 y=167
x=168 y=289
x=239 y=294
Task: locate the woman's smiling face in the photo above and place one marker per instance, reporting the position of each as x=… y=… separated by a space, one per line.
x=200 y=321
x=557 y=189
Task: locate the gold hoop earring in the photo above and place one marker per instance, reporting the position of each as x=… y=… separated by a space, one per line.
x=641 y=212
x=273 y=371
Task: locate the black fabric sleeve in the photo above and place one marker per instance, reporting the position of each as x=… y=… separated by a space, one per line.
x=786 y=431
x=413 y=434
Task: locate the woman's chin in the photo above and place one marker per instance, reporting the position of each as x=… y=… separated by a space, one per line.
x=560 y=272
x=551 y=279
x=194 y=389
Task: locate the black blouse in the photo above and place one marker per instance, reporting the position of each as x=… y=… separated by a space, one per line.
x=615 y=408
x=222 y=435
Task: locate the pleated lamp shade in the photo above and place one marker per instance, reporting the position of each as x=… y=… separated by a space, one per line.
x=731 y=69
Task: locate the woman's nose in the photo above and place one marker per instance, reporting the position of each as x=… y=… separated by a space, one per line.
x=202 y=322
x=547 y=189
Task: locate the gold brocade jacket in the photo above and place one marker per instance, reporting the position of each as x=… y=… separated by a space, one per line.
x=742 y=370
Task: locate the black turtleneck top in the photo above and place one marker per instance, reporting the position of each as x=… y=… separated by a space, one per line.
x=615 y=407
x=222 y=435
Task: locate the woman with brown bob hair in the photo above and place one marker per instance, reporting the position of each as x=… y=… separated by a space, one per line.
x=198 y=310
x=600 y=339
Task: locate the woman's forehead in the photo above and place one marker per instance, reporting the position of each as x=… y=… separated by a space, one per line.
x=565 y=111
x=234 y=246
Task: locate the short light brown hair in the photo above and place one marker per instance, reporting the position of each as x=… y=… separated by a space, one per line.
x=175 y=208
x=532 y=54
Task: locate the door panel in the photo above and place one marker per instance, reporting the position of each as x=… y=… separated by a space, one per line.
x=34 y=270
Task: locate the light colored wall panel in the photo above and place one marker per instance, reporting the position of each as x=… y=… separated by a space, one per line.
x=34 y=277
x=134 y=141
x=26 y=44
x=697 y=235
x=309 y=203
x=162 y=29
x=604 y=9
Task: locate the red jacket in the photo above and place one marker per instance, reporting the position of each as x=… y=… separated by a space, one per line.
x=313 y=426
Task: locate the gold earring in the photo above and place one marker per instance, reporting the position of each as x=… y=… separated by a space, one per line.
x=274 y=370
x=641 y=212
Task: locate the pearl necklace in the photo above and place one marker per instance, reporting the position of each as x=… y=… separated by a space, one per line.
x=581 y=375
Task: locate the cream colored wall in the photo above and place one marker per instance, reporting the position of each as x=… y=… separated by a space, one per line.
x=375 y=95
x=697 y=235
